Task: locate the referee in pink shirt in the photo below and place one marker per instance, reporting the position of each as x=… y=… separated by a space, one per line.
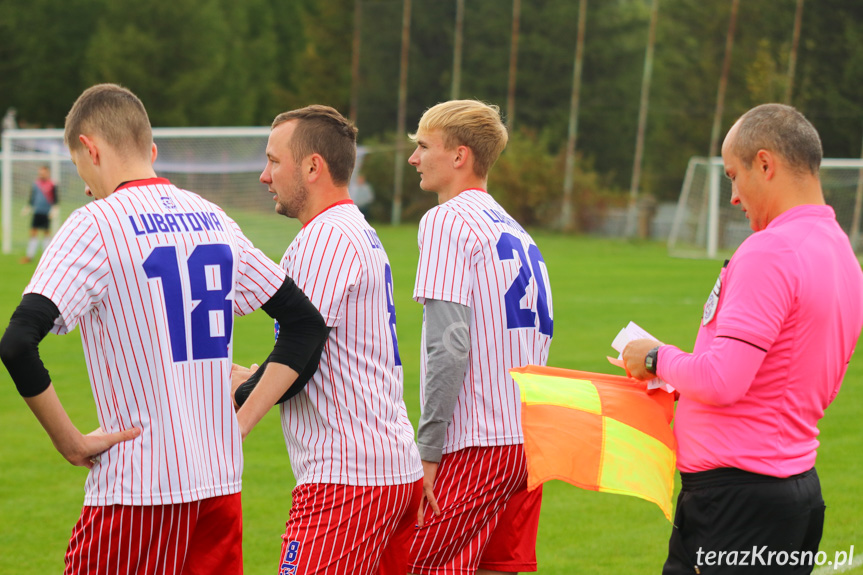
x=778 y=331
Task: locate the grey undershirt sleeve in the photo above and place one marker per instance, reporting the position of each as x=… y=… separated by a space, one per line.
x=447 y=350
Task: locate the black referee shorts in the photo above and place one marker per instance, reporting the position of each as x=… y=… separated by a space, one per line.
x=730 y=521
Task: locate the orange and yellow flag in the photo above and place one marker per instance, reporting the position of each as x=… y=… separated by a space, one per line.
x=598 y=432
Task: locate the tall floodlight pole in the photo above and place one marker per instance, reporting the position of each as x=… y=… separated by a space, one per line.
x=355 y=61
x=566 y=212
x=723 y=81
x=399 y=177
x=642 y=123
x=457 y=50
x=792 y=59
x=513 y=65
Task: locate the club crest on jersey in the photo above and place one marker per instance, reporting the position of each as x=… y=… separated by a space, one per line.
x=168 y=202
x=712 y=302
x=291 y=558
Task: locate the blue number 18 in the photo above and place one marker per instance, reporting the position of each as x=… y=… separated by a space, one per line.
x=210 y=284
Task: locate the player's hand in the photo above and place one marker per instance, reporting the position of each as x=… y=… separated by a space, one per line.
x=633 y=357
x=239 y=375
x=26 y=211
x=429 y=474
x=54 y=212
x=92 y=445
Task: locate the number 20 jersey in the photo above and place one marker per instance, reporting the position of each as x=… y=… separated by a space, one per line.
x=154 y=275
x=473 y=253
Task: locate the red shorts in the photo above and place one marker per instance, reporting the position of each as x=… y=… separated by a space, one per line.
x=338 y=529
x=199 y=537
x=488 y=518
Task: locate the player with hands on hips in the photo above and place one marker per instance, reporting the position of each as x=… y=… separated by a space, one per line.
x=153 y=275
x=347 y=432
x=487 y=308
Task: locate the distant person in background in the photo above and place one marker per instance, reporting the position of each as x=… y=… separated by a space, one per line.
x=44 y=198
x=776 y=336
x=362 y=194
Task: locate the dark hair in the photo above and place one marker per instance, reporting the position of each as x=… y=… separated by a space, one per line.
x=115 y=114
x=780 y=129
x=323 y=130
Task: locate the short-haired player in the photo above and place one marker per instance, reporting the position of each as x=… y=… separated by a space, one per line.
x=153 y=275
x=487 y=308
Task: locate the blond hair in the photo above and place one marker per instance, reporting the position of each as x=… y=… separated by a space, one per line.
x=115 y=114
x=470 y=123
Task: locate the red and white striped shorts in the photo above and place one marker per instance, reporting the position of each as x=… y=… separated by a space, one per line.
x=489 y=520
x=338 y=529
x=199 y=537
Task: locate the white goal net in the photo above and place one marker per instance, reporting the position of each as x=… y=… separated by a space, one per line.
x=706 y=225
x=221 y=164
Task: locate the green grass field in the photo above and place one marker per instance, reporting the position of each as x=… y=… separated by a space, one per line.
x=598 y=286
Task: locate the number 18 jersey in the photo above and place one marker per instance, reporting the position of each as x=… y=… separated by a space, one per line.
x=154 y=275
x=473 y=253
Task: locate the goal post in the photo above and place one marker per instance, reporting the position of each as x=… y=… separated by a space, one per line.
x=222 y=164
x=706 y=225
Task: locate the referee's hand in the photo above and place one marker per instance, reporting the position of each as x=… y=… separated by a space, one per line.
x=429 y=474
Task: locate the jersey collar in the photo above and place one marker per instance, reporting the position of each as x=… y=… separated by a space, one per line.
x=144 y=182
x=339 y=203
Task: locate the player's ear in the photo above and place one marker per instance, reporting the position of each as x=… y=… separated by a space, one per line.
x=154 y=153
x=462 y=154
x=91 y=147
x=314 y=167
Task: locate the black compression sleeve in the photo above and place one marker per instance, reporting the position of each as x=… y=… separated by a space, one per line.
x=301 y=327
x=19 y=348
x=245 y=389
x=302 y=335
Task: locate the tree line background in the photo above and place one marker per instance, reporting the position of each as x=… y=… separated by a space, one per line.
x=226 y=63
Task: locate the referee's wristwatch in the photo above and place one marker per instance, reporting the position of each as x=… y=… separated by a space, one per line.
x=651 y=359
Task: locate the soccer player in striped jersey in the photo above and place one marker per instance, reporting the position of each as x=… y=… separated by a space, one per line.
x=153 y=275
x=351 y=445
x=487 y=308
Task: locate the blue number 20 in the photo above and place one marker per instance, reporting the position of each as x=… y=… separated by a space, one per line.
x=508 y=246
x=213 y=262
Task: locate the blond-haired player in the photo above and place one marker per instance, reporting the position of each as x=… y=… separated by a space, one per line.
x=487 y=303
x=153 y=275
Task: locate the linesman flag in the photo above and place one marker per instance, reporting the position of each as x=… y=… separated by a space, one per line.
x=598 y=432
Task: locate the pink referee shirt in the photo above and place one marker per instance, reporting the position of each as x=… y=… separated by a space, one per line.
x=794 y=290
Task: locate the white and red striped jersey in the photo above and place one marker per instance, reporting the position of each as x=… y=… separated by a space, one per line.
x=154 y=275
x=474 y=254
x=349 y=425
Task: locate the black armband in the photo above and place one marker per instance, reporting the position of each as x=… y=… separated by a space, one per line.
x=19 y=349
